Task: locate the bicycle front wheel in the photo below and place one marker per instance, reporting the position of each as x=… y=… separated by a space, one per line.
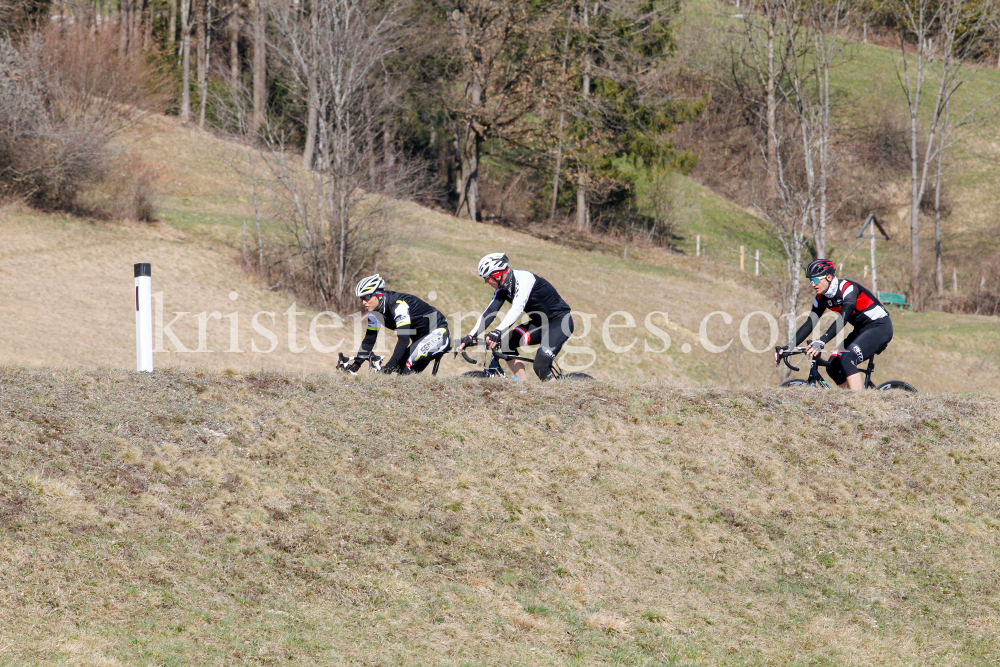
x=896 y=384
x=474 y=374
x=795 y=382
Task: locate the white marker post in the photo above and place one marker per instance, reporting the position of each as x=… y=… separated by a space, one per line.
x=143 y=318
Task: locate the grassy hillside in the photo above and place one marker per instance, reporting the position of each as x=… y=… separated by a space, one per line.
x=192 y=518
x=66 y=288
x=866 y=89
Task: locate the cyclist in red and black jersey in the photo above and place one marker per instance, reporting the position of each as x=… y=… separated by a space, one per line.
x=858 y=307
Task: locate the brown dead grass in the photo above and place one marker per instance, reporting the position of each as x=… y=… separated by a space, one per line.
x=197 y=518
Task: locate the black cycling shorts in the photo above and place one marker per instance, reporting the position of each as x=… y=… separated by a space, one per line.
x=861 y=344
x=430 y=347
x=549 y=336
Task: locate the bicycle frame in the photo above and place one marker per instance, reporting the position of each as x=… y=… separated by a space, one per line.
x=491 y=363
x=814 y=377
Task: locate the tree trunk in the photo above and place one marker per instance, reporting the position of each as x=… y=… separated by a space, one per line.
x=582 y=208
x=234 y=42
x=471 y=149
x=562 y=122
x=558 y=167
x=185 y=61
x=259 y=68
x=312 y=117
x=204 y=57
x=388 y=150
x=124 y=8
x=772 y=105
x=938 y=269
x=135 y=24
x=172 y=23
x=471 y=146
x=147 y=33
x=916 y=194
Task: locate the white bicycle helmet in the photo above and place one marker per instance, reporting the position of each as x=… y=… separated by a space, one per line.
x=493 y=262
x=369 y=286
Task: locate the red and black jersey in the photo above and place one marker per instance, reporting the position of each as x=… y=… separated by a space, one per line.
x=857 y=306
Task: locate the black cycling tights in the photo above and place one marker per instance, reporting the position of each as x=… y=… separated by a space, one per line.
x=862 y=344
x=550 y=337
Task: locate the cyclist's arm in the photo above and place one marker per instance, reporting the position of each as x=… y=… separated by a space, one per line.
x=523 y=284
x=371 y=335
x=810 y=322
x=401 y=313
x=488 y=315
x=846 y=312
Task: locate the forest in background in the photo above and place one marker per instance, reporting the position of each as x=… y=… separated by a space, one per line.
x=539 y=115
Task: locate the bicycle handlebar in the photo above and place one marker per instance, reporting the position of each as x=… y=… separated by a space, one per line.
x=497 y=353
x=784 y=354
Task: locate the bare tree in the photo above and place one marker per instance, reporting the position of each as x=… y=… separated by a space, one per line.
x=259 y=19
x=769 y=56
x=790 y=56
x=234 y=24
x=942 y=34
x=336 y=214
x=205 y=8
x=186 y=60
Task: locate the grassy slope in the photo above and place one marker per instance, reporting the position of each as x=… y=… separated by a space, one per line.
x=189 y=518
x=89 y=322
x=865 y=83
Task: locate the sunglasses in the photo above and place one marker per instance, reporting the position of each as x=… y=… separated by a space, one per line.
x=368 y=296
x=815 y=281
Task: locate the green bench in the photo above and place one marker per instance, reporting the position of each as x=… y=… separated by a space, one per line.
x=893 y=299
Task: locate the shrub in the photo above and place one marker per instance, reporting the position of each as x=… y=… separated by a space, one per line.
x=64 y=97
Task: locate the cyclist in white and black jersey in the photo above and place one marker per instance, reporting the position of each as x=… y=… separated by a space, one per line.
x=856 y=306
x=549 y=322
x=421 y=330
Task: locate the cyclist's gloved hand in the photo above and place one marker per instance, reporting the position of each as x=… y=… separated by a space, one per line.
x=465 y=342
x=817 y=345
x=494 y=337
x=777 y=352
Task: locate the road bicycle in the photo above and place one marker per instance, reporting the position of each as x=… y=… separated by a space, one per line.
x=816 y=380
x=374 y=362
x=491 y=365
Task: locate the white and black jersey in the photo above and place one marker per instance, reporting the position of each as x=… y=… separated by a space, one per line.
x=526 y=293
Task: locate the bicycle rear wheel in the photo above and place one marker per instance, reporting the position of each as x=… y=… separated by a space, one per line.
x=796 y=382
x=896 y=384
x=474 y=374
x=576 y=376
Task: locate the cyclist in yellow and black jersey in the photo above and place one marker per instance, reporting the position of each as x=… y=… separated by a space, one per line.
x=421 y=330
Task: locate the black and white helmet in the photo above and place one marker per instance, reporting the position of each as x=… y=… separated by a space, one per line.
x=369 y=286
x=493 y=262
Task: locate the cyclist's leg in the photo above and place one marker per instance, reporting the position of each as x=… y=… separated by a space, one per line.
x=553 y=338
x=428 y=348
x=513 y=339
x=836 y=370
x=862 y=345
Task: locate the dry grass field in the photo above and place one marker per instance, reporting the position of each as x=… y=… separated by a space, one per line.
x=197 y=518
